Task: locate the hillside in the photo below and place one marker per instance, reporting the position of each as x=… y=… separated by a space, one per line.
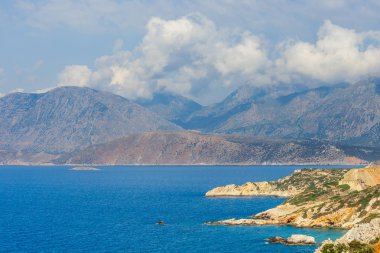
x=68 y=118
x=196 y=148
x=170 y=106
x=348 y=114
x=317 y=198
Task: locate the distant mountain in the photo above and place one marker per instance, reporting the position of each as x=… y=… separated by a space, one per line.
x=342 y=113
x=170 y=106
x=195 y=148
x=209 y=117
x=70 y=118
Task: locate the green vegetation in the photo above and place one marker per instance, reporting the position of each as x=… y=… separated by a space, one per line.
x=328 y=178
x=370 y=217
x=318 y=183
x=374 y=241
x=344 y=187
x=352 y=247
x=323 y=190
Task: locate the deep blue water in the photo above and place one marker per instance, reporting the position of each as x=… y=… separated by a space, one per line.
x=53 y=209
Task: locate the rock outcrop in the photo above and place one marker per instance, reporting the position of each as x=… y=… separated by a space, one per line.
x=360 y=179
x=251 y=189
x=362 y=232
x=366 y=235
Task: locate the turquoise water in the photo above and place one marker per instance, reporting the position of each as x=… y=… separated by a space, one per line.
x=53 y=209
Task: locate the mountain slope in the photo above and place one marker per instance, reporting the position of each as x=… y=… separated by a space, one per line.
x=342 y=113
x=209 y=118
x=170 y=106
x=68 y=118
x=196 y=148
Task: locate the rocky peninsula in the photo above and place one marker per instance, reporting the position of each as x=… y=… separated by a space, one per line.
x=329 y=198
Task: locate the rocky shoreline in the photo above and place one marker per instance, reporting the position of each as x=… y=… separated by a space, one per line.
x=334 y=198
x=365 y=235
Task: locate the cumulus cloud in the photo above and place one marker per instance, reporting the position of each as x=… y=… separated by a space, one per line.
x=185 y=55
x=78 y=75
x=194 y=57
x=339 y=54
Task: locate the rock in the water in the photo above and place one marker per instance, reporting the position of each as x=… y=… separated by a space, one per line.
x=300 y=240
x=293 y=240
x=277 y=239
x=160 y=222
x=84 y=168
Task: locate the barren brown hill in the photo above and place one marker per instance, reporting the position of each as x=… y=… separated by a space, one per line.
x=195 y=148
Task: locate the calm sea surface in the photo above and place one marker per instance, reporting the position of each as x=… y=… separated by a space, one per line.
x=53 y=209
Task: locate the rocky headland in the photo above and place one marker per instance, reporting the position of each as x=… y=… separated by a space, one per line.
x=329 y=198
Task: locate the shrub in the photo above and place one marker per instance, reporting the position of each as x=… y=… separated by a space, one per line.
x=344 y=187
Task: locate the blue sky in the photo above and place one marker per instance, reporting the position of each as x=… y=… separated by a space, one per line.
x=201 y=49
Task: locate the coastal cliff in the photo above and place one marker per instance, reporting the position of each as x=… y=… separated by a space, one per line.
x=317 y=198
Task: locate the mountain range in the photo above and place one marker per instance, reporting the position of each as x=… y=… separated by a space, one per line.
x=275 y=124
x=342 y=113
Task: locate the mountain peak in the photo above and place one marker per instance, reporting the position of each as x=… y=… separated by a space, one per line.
x=67 y=118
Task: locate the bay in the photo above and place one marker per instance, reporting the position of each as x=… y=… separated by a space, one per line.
x=115 y=209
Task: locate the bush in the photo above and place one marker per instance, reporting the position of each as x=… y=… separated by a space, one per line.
x=358 y=247
x=352 y=247
x=344 y=187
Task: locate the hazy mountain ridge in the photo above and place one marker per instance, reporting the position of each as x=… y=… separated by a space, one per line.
x=170 y=106
x=342 y=113
x=68 y=118
x=251 y=126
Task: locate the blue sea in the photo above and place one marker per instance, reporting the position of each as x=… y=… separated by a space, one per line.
x=53 y=209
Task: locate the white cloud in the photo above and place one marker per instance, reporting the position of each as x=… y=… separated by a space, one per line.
x=192 y=56
x=40 y=91
x=184 y=55
x=78 y=75
x=17 y=90
x=339 y=54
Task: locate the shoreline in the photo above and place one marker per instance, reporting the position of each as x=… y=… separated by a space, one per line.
x=187 y=165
